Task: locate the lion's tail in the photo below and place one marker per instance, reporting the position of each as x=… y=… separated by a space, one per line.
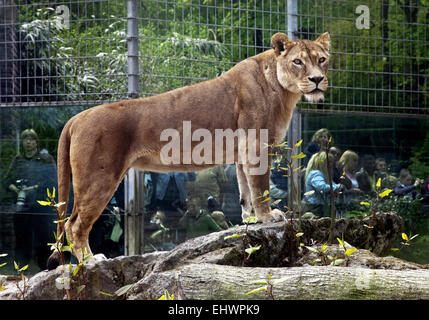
x=64 y=172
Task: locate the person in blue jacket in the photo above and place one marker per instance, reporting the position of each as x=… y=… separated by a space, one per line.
x=317 y=188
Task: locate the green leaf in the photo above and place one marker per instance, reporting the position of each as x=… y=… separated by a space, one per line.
x=309 y=193
x=385 y=193
x=106 y=294
x=298 y=143
x=3 y=255
x=297 y=169
x=416 y=235
x=44 y=203
x=23 y=268
x=80 y=288
x=378 y=184
x=265 y=200
x=3 y=264
x=77 y=269
x=337 y=262
x=350 y=251
x=235 y=235
x=324 y=247
x=301 y=155
x=394 y=249
x=312 y=249
x=16 y=265
x=167 y=296
x=48 y=193
x=299 y=234
x=250 y=220
x=123 y=290
x=405 y=237
x=59 y=204
x=257 y=290
x=367 y=204
x=66 y=248
x=341 y=242
x=250 y=250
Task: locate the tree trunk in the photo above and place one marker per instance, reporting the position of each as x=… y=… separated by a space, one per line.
x=210 y=281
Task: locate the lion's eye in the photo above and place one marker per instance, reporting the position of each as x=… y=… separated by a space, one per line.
x=321 y=60
x=297 y=61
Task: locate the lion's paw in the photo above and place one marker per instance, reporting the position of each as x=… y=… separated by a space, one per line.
x=274 y=215
x=277 y=215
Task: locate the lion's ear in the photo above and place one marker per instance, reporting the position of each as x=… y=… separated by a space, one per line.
x=324 y=40
x=279 y=42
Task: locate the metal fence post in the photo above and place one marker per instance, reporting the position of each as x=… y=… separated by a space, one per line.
x=133 y=49
x=294 y=130
x=133 y=184
x=134 y=212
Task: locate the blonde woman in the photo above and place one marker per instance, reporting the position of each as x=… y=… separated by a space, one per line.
x=318 y=142
x=348 y=166
x=317 y=188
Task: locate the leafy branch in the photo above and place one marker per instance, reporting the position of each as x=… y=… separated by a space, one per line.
x=380 y=196
x=268 y=285
x=249 y=250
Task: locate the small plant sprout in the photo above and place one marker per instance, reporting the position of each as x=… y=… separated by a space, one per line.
x=268 y=285
x=323 y=258
x=380 y=196
x=407 y=239
x=22 y=289
x=348 y=249
x=2 y=278
x=2 y=255
x=406 y=242
x=122 y=291
x=167 y=296
x=249 y=250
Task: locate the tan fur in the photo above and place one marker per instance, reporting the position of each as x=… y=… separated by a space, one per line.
x=98 y=146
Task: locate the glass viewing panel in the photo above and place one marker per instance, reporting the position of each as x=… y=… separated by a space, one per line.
x=181 y=206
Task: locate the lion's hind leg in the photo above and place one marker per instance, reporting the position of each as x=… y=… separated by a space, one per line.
x=90 y=199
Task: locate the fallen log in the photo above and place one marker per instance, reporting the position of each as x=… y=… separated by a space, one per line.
x=210 y=281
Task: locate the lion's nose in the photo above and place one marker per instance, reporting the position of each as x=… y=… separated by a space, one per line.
x=316 y=80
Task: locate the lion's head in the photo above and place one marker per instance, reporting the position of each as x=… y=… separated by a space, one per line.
x=302 y=65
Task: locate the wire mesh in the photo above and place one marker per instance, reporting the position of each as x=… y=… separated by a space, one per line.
x=63 y=52
x=379 y=59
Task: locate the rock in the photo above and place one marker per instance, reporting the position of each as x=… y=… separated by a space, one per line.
x=216 y=267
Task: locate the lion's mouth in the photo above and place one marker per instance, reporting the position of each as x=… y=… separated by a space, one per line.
x=317 y=90
x=315 y=96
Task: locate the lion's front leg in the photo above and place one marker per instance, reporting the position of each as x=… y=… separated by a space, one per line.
x=258 y=185
x=245 y=195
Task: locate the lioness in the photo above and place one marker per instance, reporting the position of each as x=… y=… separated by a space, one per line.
x=99 y=145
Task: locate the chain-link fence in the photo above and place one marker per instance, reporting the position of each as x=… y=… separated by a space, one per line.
x=75 y=52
